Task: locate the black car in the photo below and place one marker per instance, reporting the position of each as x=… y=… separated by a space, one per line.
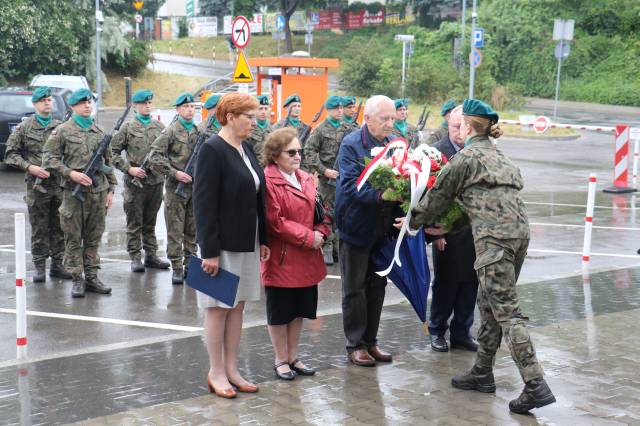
x=15 y=106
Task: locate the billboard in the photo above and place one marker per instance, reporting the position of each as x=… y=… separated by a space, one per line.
x=203 y=26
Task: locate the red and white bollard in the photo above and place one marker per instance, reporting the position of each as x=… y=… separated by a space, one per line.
x=588 y=220
x=636 y=153
x=21 y=290
x=621 y=162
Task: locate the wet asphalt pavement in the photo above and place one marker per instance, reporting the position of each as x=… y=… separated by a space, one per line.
x=141 y=347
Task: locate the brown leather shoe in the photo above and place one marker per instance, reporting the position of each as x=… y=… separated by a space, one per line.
x=361 y=358
x=379 y=355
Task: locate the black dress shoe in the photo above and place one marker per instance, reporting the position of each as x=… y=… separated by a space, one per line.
x=439 y=344
x=303 y=371
x=289 y=375
x=536 y=394
x=469 y=344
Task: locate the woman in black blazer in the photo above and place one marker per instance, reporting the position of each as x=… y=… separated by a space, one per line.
x=228 y=204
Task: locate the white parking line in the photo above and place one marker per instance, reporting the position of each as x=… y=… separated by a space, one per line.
x=567 y=225
x=627 y=256
x=106 y=320
x=580 y=205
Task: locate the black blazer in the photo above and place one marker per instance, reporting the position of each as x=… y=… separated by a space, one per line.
x=225 y=203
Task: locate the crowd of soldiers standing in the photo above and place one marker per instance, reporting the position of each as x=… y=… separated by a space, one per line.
x=68 y=231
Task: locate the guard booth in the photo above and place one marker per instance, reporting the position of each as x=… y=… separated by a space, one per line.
x=280 y=77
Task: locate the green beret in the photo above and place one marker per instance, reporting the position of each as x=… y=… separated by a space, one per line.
x=263 y=100
x=212 y=101
x=40 y=92
x=184 y=98
x=348 y=100
x=478 y=108
x=142 y=96
x=447 y=106
x=401 y=103
x=333 y=102
x=79 y=96
x=291 y=99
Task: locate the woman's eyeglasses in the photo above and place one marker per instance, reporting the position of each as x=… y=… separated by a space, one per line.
x=293 y=152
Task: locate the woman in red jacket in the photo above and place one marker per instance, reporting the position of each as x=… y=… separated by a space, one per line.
x=292 y=274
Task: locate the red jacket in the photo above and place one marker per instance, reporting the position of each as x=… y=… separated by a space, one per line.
x=294 y=262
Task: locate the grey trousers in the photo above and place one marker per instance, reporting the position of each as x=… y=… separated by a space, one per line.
x=362 y=296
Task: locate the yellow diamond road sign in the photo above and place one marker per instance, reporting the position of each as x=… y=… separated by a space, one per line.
x=242 y=72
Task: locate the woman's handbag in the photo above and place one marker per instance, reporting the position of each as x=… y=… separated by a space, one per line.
x=319 y=211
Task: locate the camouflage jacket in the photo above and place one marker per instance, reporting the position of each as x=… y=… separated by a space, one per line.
x=70 y=148
x=135 y=138
x=411 y=135
x=25 y=145
x=487 y=184
x=300 y=128
x=437 y=135
x=172 y=149
x=209 y=130
x=322 y=148
x=350 y=126
x=257 y=139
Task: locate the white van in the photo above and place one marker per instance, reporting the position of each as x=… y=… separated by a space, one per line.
x=71 y=82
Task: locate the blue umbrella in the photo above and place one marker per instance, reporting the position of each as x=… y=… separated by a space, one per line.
x=413 y=277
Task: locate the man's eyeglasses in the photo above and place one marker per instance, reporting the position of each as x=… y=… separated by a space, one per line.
x=293 y=152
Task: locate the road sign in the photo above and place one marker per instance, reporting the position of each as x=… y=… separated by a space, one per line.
x=478 y=38
x=279 y=22
x=138 y=18
x=137 y=5
x=541 y=124
x=242 y=72
x=240 y=32
x=562 y=50
x=314 y=17
x=475 y=58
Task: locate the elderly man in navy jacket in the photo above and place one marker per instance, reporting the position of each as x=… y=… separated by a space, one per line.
x=363 y=218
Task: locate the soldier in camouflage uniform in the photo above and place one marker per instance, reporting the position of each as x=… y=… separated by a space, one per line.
x=142 y=190
x=487 y=184
x=24 y=151
x=169 y=155
x=320 y=155
x=443 y=130
x=293 y=104
x=67 y=152
x=350 y=120
x=401 y=127
x=262 y=128
x=211 y=126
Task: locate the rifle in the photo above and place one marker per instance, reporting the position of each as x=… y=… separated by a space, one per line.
x=145 y=162
x=191 y=162
x=37 y=185
x=421 y=119
x=96 y=163
x=424 y=122
x=288 y=119
x=355 y=120
x=307 y=131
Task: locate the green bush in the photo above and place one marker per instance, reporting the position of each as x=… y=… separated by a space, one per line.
x=133 y=62
x=183 y=28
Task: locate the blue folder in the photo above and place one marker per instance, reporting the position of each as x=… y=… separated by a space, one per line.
x=222 y=287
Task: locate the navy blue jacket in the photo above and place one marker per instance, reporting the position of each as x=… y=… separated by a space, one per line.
x=361 y=217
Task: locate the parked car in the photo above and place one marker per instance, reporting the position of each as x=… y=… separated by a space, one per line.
x=15 y=105
x=71 y=82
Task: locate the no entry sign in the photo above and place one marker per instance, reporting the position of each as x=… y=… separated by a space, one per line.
x=240 y=32
x=541 y=124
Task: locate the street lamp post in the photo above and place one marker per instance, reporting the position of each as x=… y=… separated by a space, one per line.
x=99 y=20
x=472 y=69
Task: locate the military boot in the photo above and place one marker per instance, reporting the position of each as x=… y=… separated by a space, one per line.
x=177 y=277
x=536 y=394
x=93 y=284
x=58 y=271
x=40 y=274
x=479 y=378
x=137 y=266
x=78 y=287
x=155 y=262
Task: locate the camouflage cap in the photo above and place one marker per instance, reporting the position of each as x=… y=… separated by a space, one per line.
x=79 y=96
x=184 y=98
x=477 y=108
x=291 y=99
x=40 y=92
x=141 y=96
x=404 y=102
x=333 y=102
x=447 y=106
x=212 y=101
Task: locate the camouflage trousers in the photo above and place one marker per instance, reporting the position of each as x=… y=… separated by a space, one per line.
x=47 y=238
x=328 y=193
x=498 y=264
x=141 y=207
x=181 y=225
x=83 y=225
